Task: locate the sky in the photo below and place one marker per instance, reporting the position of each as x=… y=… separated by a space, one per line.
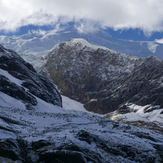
x=130 y=19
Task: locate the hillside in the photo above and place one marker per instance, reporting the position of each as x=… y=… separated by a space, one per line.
x=95 y=75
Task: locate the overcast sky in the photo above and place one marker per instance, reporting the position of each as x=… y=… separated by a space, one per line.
x=118 y=14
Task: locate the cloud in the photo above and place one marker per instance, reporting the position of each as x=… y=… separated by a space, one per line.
x=118 y=14
x=86 y=26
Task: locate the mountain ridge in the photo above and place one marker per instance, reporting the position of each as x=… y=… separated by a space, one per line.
x=106 y=81
x=41 y=43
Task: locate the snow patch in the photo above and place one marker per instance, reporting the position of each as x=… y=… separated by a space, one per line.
x=10 y=77
x=138 y=114
x=43 y=106
x=10 y=102
x=92 y=100
x=70 y=104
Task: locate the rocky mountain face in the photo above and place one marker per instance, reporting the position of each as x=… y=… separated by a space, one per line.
x=142 y=95
x=34 y=128
x=19 y=80
x=88 y=73
x=107 y=81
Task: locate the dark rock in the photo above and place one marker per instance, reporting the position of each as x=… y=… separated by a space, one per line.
x=62 y=157
x=124 y=109
x=9 y=149
x=150 y=109
x=113 y=79
x=31 y=84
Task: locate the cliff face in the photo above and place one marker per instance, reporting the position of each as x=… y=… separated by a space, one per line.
x=19 y=80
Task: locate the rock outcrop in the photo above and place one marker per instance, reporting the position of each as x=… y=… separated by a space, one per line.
x=19 y=80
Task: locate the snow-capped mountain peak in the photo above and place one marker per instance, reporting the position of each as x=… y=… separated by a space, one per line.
x=85 y=43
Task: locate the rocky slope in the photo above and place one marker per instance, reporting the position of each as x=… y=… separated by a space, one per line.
x=142 y=95
x=89 y=73
x=106 y=81
x=19 y=80
x=45 y=132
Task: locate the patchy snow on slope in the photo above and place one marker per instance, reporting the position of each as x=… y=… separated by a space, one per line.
x=70 y=128
x=8 y=101
x=138 y=113
x=10 y=77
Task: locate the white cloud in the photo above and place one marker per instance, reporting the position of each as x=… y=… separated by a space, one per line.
x=86 y=26
x=117 y=14
x=37 y=32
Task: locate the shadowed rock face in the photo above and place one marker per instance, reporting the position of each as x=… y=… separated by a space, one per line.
x=109 y=78
x=144 y=85
x=29 y=84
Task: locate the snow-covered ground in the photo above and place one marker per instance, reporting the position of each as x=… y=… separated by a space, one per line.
x=73 y=105
x=137 y=113
x=66 y=127
x=70 y=104
x=95 y=137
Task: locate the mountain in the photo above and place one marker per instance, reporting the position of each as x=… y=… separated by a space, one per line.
x=106 y=81
x=35 y=44
x=84 y=71
x=19 y=80
x=34 y=128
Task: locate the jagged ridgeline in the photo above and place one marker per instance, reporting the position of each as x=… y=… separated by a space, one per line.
x=103 y=79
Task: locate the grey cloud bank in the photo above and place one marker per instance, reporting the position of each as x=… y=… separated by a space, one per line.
x=118 y=14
